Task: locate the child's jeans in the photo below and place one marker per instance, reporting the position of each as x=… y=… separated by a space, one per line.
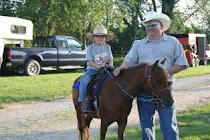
x=84 y=81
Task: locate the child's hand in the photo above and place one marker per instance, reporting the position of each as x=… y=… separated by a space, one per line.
x=103 y=65
x=110 y=66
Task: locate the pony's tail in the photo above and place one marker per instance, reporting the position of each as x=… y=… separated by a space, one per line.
x=81 y=118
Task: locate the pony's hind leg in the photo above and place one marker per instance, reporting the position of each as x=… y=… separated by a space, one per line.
x=83 y=125
x=88 y=121
x=121 y=128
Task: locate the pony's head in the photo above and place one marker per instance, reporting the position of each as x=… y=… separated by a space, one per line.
x=157 y=84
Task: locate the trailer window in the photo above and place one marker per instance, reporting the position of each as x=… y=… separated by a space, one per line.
x=18 y=29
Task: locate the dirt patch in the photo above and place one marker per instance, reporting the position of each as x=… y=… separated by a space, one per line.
x=57 y=121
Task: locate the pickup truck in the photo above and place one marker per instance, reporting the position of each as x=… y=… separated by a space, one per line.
x=50 y=52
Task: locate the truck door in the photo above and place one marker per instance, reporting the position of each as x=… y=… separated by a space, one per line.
x=71 y=53
x=78 y=52
x=64 y=52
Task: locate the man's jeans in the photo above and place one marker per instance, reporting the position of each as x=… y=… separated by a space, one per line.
x=84 y=81
x=168 y=122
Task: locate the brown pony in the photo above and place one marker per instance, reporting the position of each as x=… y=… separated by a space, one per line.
x=117 y=93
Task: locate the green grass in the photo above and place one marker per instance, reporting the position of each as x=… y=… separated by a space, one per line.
x=193 y=125
x=35 y=88
x=194 y=71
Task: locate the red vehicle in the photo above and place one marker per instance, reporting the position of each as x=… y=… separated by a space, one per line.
x=195 y=48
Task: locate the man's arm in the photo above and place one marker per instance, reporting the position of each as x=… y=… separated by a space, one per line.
x=124 y=65
x=176 y=68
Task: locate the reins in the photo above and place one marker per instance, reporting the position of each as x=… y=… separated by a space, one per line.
x=119 y=85
x=142 y=97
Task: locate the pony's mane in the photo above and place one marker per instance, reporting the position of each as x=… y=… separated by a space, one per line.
x=138 y=65
x=143 y=64
x=134 y=67
x=164 y=69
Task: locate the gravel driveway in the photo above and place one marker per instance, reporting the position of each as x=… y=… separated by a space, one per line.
x=56 y=120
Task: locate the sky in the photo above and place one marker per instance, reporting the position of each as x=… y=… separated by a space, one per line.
x=183 y=4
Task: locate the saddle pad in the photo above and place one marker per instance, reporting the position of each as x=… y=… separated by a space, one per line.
x=76 y=85
x=96 y=88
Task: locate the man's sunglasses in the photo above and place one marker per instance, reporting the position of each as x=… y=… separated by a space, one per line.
x=100 y=35
x=154 y=24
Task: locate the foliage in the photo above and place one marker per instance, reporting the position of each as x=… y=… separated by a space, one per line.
x=122 y=17
x=10 y=7
x=54 y=16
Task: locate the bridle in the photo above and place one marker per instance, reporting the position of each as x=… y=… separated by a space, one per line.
x=148 y=80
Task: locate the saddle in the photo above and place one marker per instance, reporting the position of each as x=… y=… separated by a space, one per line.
x=90 y=104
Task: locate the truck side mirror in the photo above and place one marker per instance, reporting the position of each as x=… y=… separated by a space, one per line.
x=83 y=47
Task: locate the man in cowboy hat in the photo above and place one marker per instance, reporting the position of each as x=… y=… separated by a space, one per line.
x=157 y=46
x=98 y=55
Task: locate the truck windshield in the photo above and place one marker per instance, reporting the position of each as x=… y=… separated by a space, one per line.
x=47 y=42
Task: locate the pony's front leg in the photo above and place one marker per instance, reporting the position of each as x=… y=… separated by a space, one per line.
x=104 y=126
x=121 y=127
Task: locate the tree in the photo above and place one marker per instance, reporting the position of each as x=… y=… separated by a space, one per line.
x=129 y=27
x=168 y=7
x=123 y=17
x=54 y=16
x=10 y=7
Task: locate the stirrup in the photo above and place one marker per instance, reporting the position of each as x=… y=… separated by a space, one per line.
x=89 y=105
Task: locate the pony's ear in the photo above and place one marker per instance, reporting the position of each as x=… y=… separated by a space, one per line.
x=163 y=62
x=155 y=64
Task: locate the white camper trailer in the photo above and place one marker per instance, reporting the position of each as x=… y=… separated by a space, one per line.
x=14 y=30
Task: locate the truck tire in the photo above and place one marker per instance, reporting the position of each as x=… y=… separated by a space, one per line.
x=32 y=68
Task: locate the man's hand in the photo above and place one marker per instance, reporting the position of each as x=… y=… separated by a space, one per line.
x=124 y=65
x=117 y=71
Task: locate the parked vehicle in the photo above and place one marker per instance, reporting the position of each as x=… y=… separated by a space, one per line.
x=208 y=50
x=48 y=53
x=14 y=30
x=195 y=48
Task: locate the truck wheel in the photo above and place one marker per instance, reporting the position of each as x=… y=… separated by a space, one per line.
x=32 y=67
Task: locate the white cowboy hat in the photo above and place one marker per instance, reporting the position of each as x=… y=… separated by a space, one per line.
x=100 y=30
x=163 y=18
